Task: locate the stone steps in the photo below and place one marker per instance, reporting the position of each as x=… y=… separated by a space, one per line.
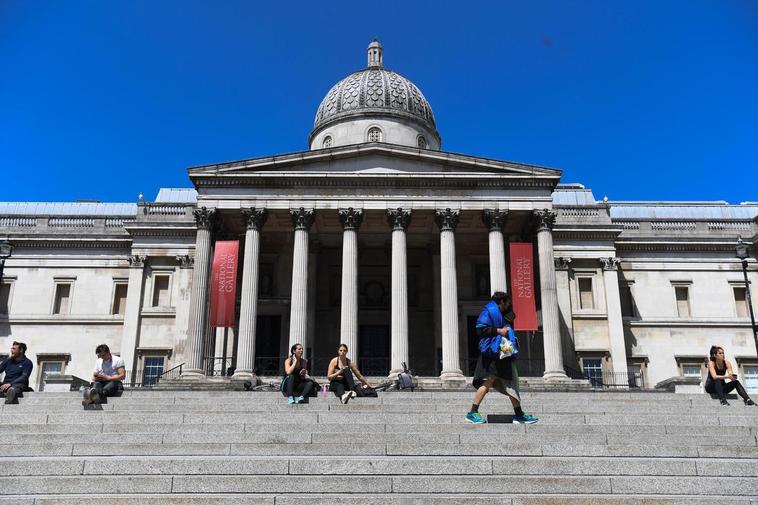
x=179 y=447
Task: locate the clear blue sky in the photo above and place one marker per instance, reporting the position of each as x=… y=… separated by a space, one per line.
x=646 y=100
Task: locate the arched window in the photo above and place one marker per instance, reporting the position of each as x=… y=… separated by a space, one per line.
x=327 y=142
x=421 y=142
x=374 y=134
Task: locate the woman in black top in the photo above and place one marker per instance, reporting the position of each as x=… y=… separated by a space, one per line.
x=340 y=374
x=297 y=384
x=719 y=371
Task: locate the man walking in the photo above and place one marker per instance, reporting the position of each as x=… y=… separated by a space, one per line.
x=18 y=369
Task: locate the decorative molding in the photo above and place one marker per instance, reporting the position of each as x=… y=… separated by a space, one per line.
x=562 y=262
x=351 y=218
x=447 y=219
x=610 y=263
x=53 y=356
x=494 y=219
x=204 y=218
x=399 y=219
x=254 y=218
x=545 y=219
x=185 y=261
x=302 y=218
x=367 y=182
x=136 y=261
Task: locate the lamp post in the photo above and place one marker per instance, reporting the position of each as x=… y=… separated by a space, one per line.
x=6 y=248
x=742 y=251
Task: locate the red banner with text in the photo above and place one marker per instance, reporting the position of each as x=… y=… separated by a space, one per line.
x=224 y=283
x=522 y=286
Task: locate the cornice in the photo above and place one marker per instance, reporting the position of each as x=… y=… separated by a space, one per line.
x=83 y=243
x=675 y=246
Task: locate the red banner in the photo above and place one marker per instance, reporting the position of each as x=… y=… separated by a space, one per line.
x=522 y=286
x=224 y=283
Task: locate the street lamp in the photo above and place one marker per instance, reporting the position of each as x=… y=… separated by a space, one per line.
x=742 y=251
x=6 y=248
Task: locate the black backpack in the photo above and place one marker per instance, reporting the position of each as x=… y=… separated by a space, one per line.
x=404 y=379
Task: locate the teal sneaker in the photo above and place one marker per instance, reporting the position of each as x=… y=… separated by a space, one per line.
x=475 y=418
x=525 y=419
x=300 y=399
x=291 y=400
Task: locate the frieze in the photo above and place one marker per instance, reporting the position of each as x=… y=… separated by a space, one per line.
x=351 y=218
x=393 y=182
x=545 y=219
x=204 y=218
x=254 y=218
x=399 y=219
x=495 y=219
x=302 y=218
x=447 y=219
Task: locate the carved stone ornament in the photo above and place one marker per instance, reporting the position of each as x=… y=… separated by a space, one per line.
x=204 y=218
x=545 y=219
x=447 y=219
x=136 y=261
x=185 y=261
x=610 y=263
x=254 y=218
x=351 y=218
x=399 y=219
x=495 y=219
x=302 y=218
x=562 y=263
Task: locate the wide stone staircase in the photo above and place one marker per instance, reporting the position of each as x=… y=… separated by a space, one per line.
x=234 y=447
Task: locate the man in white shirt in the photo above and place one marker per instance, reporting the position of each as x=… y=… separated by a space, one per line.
x=109 y=372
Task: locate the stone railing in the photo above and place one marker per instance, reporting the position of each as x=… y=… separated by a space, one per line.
x=673 y=225
x=71 y=222
x=729 y=225
x=18 y=222
x=578 y=211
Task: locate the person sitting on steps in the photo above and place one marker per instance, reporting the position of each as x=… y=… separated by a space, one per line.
x=340 y=375
x=18 y=369
x=500 y=374
x=297 y=384
x=107 y=378
x=719 y=371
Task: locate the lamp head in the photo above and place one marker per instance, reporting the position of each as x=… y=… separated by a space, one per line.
x=6 y=249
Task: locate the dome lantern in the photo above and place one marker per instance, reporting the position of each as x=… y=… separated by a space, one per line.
x=375 y=51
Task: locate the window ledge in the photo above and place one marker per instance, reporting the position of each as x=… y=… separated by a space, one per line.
x=159 y=312
x=589 y=315
x=708 y=323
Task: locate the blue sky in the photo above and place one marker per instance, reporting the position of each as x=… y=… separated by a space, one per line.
x=643 y=100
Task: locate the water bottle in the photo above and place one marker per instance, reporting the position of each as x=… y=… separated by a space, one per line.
x=82 y=390
x=324 y=391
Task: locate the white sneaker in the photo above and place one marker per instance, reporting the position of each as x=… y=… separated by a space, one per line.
x=346 y=397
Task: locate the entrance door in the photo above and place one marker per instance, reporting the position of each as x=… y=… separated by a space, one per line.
x=374 y=352
x=268 y=334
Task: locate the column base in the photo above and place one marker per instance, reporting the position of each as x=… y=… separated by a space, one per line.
x=192 y=374
x=555 y=376
x=246 y=376
x=453 y=378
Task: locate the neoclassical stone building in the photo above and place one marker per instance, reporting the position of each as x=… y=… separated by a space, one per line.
x=378 y=238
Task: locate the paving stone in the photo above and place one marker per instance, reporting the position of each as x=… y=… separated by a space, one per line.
x=727 y=468
x=393 y=499
x=390 y=466
x=288 y=484
x=69 y=485
x=634 y=451
x=168 y=499
x=22 y=429
x=308 y=449
x=727 y=452
x=171 y=428
x=394 y=419
x=534 y=438
x=318 y=428
x=421 y=449
x=295 y=418
x=388 y=438
x=718 y=486
x=41 y=466
x=238 y=438
x=108 y=449
x=502 y=484
x=625 y=500
x=188 y=465
x=593 y=466
x=112 y=417
x=83 y=438
x=37 y=450
x=683 y=440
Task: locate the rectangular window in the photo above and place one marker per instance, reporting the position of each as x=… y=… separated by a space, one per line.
x=152 y=370
x=49 y=367
x=740 y=301
x=627 y=302
x=5 y=298
x=751 y=378
x=62 y=302
x=593 y=370
x=119 y=298
x=634 y=373
x=586 y=299
x=692 y=370
x=161 y=294
x=682 y=300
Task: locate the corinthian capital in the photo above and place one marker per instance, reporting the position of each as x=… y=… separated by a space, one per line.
x=495 y=219
x=447 y=219
x=545 y=219
x=610 y=263
x=204 y=218
x=562 y=262
x=351 y=218
x=254 y=218
x=302 y=218
x=136 y=261
x=399 y=219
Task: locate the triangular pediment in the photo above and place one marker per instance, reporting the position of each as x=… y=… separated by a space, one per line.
x=375 y=160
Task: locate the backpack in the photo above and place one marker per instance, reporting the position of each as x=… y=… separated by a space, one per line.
x=404 y=379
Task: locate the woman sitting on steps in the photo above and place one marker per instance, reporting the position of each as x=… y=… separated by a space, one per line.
x=340 y=373
x=719 y=371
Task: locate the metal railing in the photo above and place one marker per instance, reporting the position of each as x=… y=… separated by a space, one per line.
x=616 y=380
x=138 y=379
x=218 y=366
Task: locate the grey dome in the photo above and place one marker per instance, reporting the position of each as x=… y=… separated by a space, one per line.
x=374 y=90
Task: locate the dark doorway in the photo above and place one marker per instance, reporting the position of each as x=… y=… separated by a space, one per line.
x=374 y=350
x=268 y=332
x=472 y=346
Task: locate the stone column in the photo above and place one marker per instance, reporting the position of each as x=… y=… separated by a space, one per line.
x=495 y=220
x=551 y=328
x=302 y=219
x=447 y=220
x=615 y=319
x=351 y=220
x=399 y=219
x=193 y=354
x=562 y=265
x=134 y=294
x=254 y=221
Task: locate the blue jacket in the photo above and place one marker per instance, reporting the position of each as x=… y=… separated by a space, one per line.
x=17 y=372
